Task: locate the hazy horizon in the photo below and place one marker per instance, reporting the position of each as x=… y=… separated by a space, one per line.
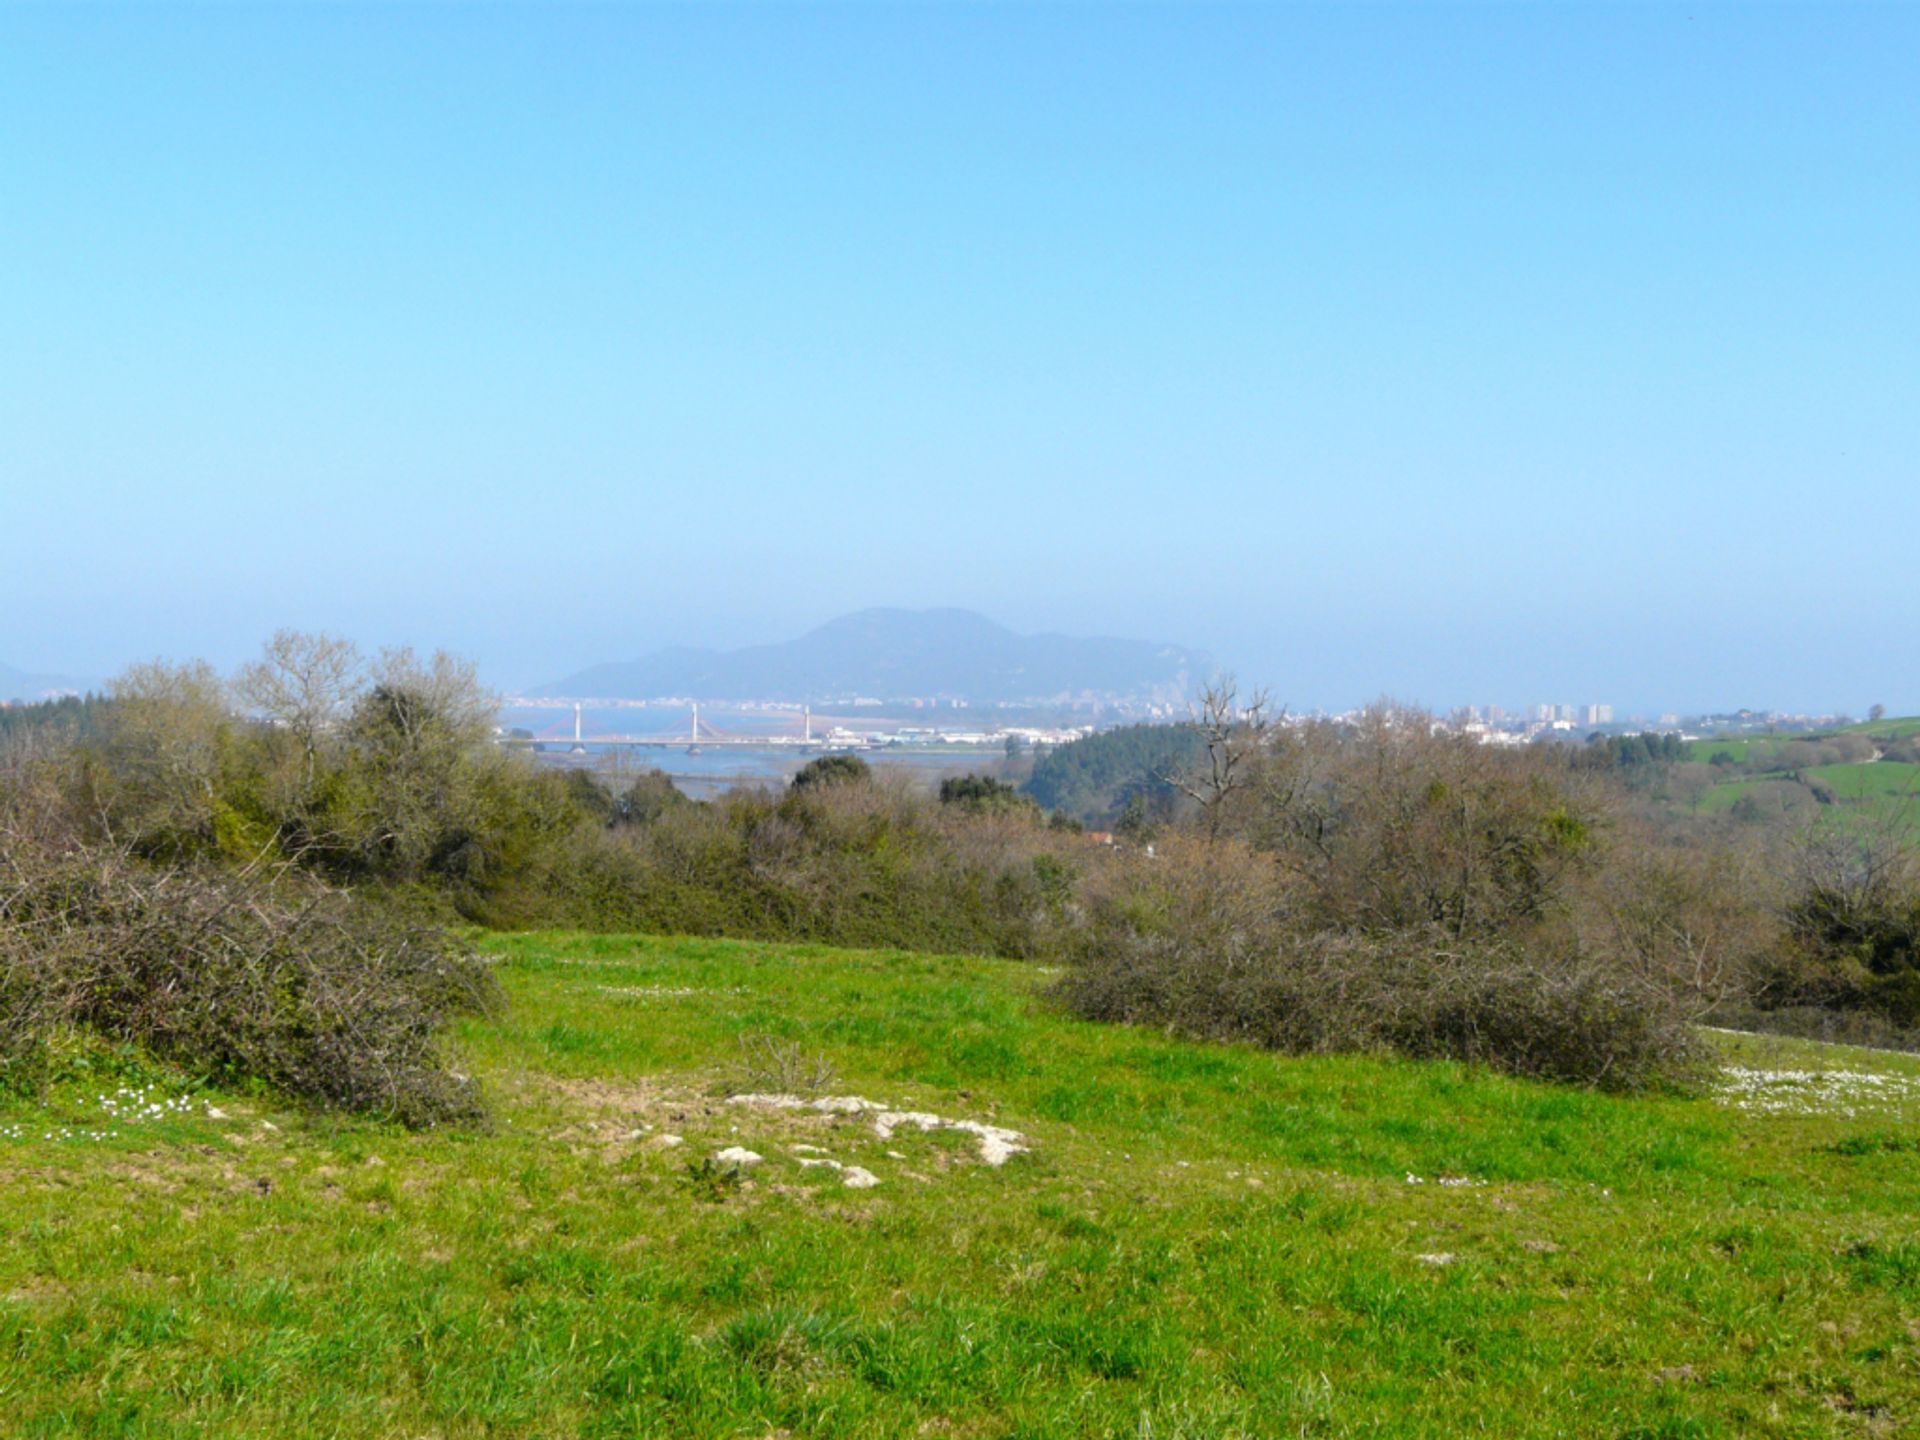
x=1477 y=355
x=525 y=684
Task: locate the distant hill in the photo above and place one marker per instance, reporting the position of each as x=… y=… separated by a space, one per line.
x=1094 y=778
x=20 y=685
x=900 y=654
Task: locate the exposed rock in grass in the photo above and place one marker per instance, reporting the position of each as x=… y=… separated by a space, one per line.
x=853 y=1177
x=996 y=1144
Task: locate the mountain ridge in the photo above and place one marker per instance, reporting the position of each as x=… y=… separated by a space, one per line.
x=890 y=653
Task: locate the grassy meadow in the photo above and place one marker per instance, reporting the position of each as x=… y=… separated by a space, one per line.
x=1885 y=793
x=1197 y=1240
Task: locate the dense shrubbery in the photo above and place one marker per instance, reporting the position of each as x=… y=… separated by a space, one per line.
x=1852 y=940
x=225 y=890
x=283 y=981
x=849 y=863
x=1387 y=888
x=1557 y=1017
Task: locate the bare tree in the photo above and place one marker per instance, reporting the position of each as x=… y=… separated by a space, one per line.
x=304 y=684
x=441 y=697
x=1849 y=876
x=163 y=746
x=1233 y=734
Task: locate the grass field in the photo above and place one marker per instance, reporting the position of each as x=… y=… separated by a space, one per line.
x=1197 y=1241
x=1888 y=779
x=1885 y=792
x=1750 y=747
x=1892 y=725
x=1738 y=751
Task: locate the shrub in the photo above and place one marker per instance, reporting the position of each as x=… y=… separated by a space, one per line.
x=316 y=993
x=649 y=797
x=1200 y=942
x=983 y=793
x=832 y=770
x=1852 y=930
x=1818 y=1022
x=1391 y=826
x=845 y=864
x=1693 y=919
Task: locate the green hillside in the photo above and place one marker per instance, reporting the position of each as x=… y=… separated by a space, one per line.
x=1194 y=1241
x=1876 y=787
x=1886 y=779
x=1834 y=777
x=1738 y=751
x=1750 y=747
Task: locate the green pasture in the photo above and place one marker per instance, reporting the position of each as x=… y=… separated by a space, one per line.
x=1196 y=1240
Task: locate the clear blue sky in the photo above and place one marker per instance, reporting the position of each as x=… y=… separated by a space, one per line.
x=1489 y=353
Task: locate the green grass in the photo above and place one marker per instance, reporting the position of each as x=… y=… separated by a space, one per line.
x=1738 y=751
x=1744 y=748
x=1868 y=794
x=1203 y=1241
x=1885 y=779
x=1892 y=725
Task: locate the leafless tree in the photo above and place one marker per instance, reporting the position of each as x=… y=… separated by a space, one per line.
x=1855 y=872
x=163 y=746
x=304 y=684
x=1233 y=734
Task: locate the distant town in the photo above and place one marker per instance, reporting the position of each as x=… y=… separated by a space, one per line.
x=871 y=722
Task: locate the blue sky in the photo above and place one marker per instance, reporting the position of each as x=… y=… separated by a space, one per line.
x=1463 y=354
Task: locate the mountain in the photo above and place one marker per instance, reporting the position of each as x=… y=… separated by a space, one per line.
x=903 y=654
x=19 y=685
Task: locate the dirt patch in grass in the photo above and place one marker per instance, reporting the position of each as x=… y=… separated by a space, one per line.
x=34 y=1290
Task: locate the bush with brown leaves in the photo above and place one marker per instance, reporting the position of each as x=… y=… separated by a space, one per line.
x=238 y=975
x=1215 y=941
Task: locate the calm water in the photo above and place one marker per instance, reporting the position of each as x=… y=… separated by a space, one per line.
x=653 y=720
x=715 y=767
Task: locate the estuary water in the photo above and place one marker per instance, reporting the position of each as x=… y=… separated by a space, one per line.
x=707 y=769
x=714 y=769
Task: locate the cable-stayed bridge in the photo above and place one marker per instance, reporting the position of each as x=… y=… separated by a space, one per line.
x=699 y=734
